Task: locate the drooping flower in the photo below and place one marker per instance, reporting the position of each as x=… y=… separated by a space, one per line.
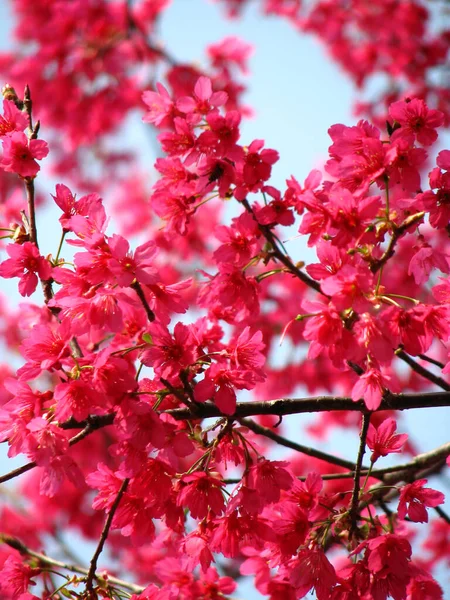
x=414 y=498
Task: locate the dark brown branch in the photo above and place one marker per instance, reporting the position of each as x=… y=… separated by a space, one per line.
x=290 y=406
x=434 y=458
x=356 y=484
x=442 y=514
x=140 y=292
x=16 y=544
x=278 y=254
x=104 y=535
x=422 y=371
x=313 y=452
x=281 y=407
x=90 y=425
x=396 y=235
x=433 y=361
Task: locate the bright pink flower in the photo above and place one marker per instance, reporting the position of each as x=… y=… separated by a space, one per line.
x=269 y=477
x=45 y=347
x=168 y=354
x=25 y=262
x=255 y=168
x=108 y=483
x=90 y=206
x=16 y=577
x=215 y=172
x=233 y=531
x=204 y=100
x=312 y=569
x=20 y=154
x=422 y=586
x=214 y=587
x=407 y=327
x=388 y=553
x=12 y=119
x=219 y=385
x=180 y=142
x=75 y=399
x=246 y=352
x=414 y=498
x=292 y=527
x=127 y=267
x=370 y=387
x=276 y=212
x=416 y=119
x=160 y=107
x=196 y=548
x=223 y=133
x=239 y=241
x=349 y=287
x=151 y=592
x=383 y=440
x=425 y=260
x=201 y=494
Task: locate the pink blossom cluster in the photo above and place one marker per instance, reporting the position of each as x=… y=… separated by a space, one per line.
x=94 y=58
x=109 y=355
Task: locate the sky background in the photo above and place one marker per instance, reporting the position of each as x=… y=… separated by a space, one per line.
x=296 y=93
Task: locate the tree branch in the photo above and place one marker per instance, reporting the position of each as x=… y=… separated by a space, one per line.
x=90 y=425
x=16 y=544
x=356 y=485
x=268 y=433
x=422 y=371
x=140 y=292
x=396 y=235
x=104 y=535
x=290 y=406
x=433 y=459
x=287 y=262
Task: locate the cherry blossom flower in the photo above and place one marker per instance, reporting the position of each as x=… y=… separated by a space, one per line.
x=414 y=498
x=25 y=262
x=20 y=154
x=384 y=440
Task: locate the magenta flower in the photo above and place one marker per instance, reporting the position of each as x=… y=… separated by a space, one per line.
x=383 y=440
x=370 y=387
x=417 y=120
x=26 y=263
x=414 y=500
x=20 y=154
x=12 y=119
x=201 y=494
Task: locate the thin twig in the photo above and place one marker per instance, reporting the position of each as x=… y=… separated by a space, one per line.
x=104 y=535
x=396 y=235
x=431 y=459
x=442 y=514
x=356 y=483
x=90 y=425
x=278 y=254
x=420 y=370
x=16 y=544
x=140 y=292
x=433 y=361
x=266 y=432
